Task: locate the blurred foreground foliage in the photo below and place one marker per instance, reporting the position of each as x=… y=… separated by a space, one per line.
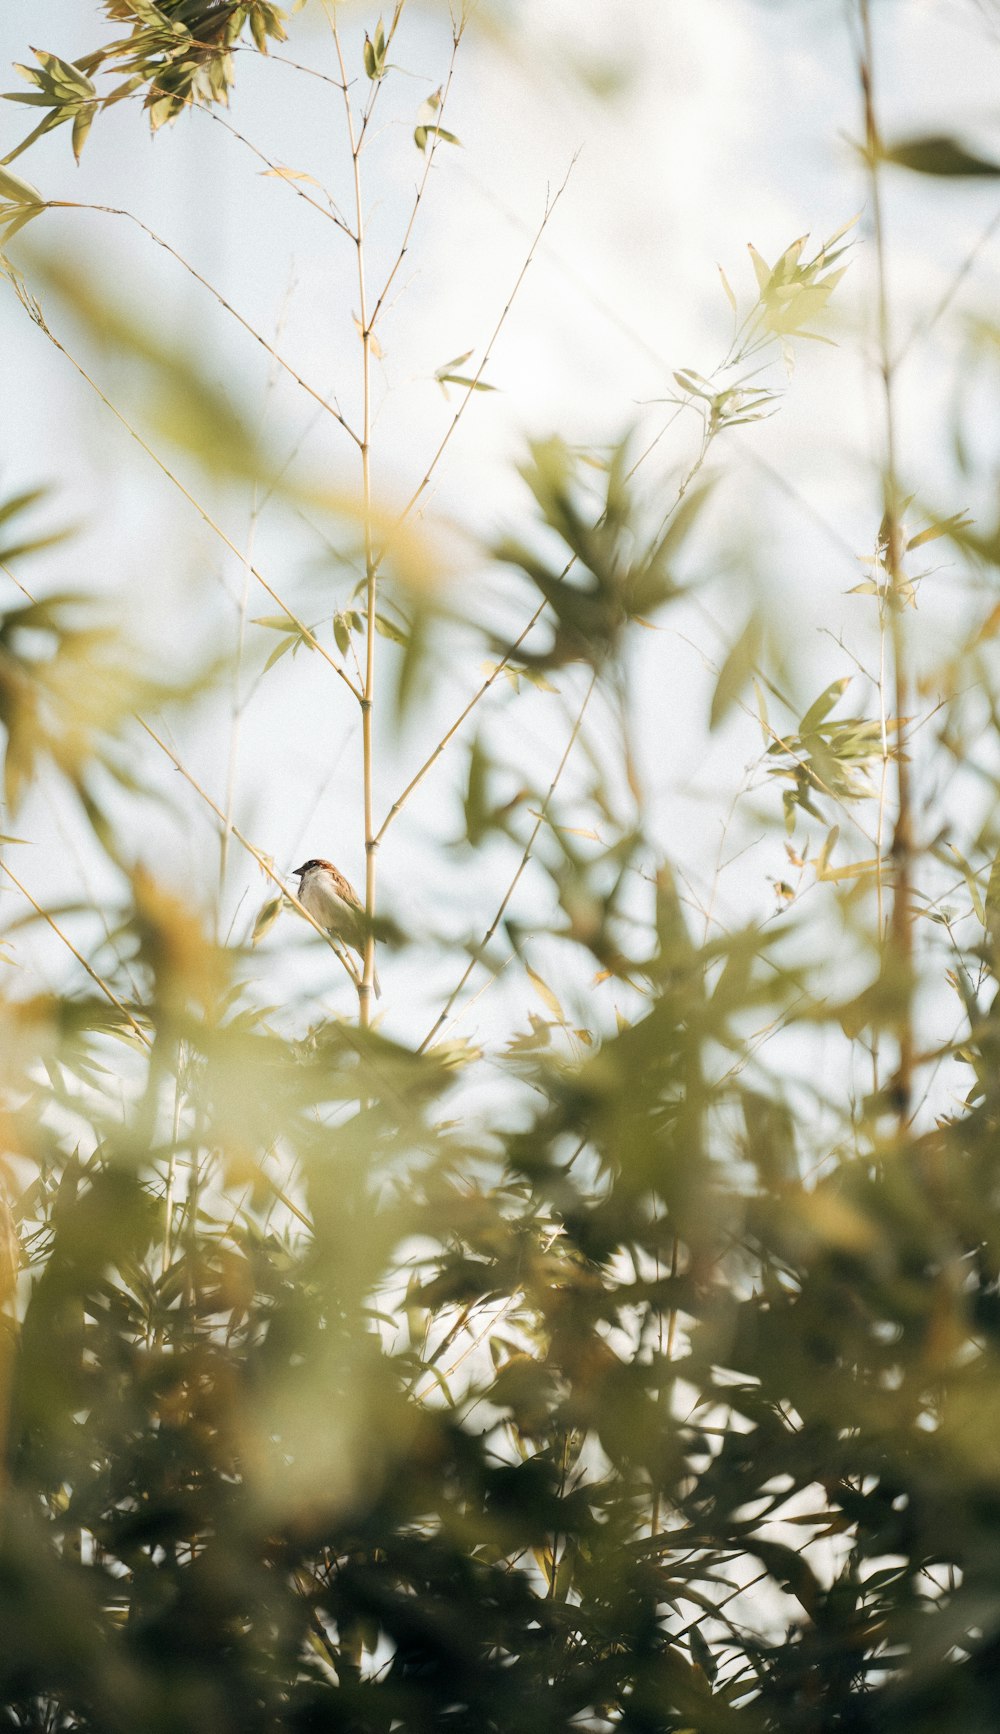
x=329 y=1405
x=655 y=1388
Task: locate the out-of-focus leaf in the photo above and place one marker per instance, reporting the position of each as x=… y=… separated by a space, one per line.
x=266 y=918
x=939 y=154
x=736 y=672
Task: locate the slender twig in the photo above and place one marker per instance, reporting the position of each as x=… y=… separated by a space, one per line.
x=251 y=848
x=275 y=169
x=286 y=366
x=9 y=574
x=923 y=327
x=285 y=60
x=418 y=197
x=450 y=734
x=98 y=980
x=522 y=864
x=35 y=314
x=425 y=481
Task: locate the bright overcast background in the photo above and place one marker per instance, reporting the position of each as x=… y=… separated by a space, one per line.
x=687 y=129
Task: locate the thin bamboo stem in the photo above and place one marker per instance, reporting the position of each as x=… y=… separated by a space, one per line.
x=286 y=366
x=443 y=1016
x=306 y=632
x=431 y=151
x=902 y=915
x=425 y=480
x=366 y=984
x=97 y=979
x=401 y=800
x=251 y=848
x=276 y=169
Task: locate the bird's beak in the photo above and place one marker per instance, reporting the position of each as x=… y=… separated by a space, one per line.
x=299 y=870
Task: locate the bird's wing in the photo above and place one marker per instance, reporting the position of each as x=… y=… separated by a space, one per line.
x=345 y=889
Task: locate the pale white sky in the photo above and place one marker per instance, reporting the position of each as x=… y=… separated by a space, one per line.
x=732 y=122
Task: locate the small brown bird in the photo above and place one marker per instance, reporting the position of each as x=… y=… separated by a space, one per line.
x=333 y=902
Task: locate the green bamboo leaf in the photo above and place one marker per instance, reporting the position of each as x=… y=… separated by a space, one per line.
x=972 y=883
x=952 y=526
x=940 y=154
x=823 y=705
x=82 y=124
x=18 y=192
x=275 y=622
x=823 y=858
x=65 y=77
x=388 y=629
x=266 y=918
x=992 y=906
x=280 y=650
x=702 y=1655
x=736 y=672
x=730 y=297
x=12 y=224
x=762 y=270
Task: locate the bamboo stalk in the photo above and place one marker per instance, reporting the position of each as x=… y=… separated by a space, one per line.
x=901 y=917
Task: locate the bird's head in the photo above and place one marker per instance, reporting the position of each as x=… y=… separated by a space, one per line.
x=315 y=863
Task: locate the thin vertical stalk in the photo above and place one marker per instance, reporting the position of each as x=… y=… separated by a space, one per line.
x=365 y=986
x=171 y=1181
x=883 y=791
x=239 y=697
x=901 y=918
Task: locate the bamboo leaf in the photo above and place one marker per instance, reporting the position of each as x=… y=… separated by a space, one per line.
x=736 y=672
x=546 y=995
x=822 y=706
x=266 y=918
x=940 y=154
x=730 y=297
x=17 y=191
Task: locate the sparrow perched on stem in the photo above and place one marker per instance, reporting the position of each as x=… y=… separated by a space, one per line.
x=333 y=902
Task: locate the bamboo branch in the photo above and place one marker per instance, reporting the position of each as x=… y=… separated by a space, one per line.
x=275 y=169
x=429 y=762
x=251 y=848
x=284 y=60
x=525 y=858
x=902 y=914
x=34 y=312
x=432 y=148
x=366 y=985
x=98 y=980
x=116 y=211
x=550 y=206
